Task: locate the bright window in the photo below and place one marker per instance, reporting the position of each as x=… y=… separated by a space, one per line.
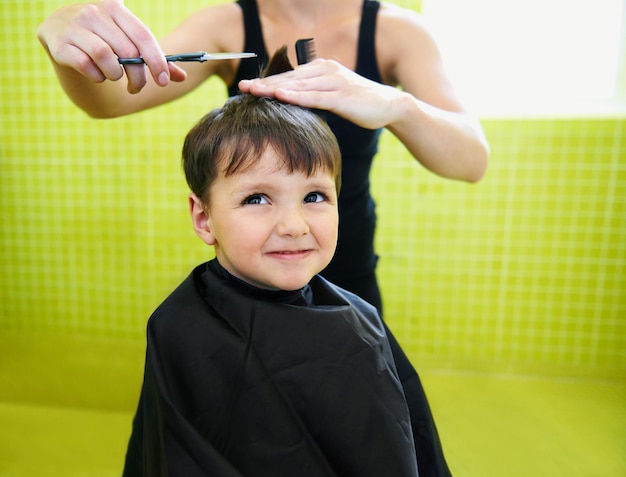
x=534 y=56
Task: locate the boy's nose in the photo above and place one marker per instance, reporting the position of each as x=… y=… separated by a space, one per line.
x=292 y=223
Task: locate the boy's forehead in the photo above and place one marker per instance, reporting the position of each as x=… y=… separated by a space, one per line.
x=265 y=162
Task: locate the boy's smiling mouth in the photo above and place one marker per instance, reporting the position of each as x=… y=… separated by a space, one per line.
x=290 y=253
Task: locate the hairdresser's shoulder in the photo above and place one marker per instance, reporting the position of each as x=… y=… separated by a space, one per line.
x=392 y=16
x=218 y=10
x=212 y=28
x=404 y=44
x=216 y=17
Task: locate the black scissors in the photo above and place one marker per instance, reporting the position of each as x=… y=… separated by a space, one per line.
x=198 y=56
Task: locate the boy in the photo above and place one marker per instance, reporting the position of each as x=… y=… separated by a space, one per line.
x=256 y=365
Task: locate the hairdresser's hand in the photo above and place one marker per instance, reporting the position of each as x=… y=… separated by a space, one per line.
x=90 y=37
x=327 y=85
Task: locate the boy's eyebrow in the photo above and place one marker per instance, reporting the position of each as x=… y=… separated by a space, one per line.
x=323 y=185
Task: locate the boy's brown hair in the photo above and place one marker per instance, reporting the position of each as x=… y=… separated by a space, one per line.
x=230 y=139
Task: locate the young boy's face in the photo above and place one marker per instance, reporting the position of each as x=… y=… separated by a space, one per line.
x=271 y=228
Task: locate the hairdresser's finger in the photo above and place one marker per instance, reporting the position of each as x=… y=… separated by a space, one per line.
x=145 y=43
x=317 y=75
x=122 y=46
x=69 y=38
x=71 y=56
x=86 y=38
x=371 y=114
x=177 y=74
x=106 y=45
x=267 y=87
x=324 y=100
x=359 y=100
x=93 y=43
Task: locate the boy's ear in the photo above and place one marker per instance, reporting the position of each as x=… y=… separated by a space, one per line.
x=201 y=220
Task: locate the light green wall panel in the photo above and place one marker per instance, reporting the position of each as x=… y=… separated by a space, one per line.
x=524 y=270
x=521 y=272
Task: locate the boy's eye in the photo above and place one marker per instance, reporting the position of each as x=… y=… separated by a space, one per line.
x=315 y=197
x=255 y=199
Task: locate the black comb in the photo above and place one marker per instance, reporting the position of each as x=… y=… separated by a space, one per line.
x=305 y=50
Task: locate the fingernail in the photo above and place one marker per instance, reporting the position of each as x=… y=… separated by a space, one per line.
x=164 y=78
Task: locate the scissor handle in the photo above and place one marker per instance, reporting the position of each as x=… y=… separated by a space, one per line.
x=196 y=56
x=200 y=56
x=130 y=61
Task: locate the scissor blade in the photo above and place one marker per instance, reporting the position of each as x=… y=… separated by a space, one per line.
x=226 y=56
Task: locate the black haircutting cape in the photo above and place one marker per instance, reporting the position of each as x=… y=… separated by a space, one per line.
x=243 y=382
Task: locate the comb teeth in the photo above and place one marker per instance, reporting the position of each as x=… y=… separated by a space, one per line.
x=305 y=50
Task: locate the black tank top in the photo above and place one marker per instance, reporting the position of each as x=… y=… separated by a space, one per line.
x=355 y=256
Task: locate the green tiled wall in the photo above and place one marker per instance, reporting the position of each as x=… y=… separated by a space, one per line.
x=521 y=272
x=524 y=270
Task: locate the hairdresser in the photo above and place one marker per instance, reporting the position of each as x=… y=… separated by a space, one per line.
x=378 y=67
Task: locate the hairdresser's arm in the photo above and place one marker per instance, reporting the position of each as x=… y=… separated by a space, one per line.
x=425 y=115
x=430 y=119
x=84 y=42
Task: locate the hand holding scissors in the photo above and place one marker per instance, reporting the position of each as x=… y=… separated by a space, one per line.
x=94 y=39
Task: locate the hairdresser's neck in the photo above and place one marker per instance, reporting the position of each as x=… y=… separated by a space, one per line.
x=300 y=12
